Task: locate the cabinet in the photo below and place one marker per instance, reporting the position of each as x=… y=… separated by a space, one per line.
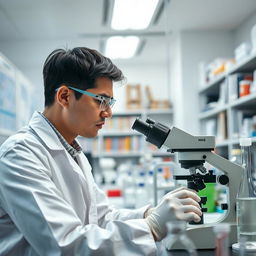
x=224 y=111
x=117 y=139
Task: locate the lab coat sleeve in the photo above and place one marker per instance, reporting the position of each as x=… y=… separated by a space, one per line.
x=106 y=212
x=48 y=222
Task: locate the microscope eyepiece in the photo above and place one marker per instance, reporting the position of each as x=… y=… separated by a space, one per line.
x=141 y=127
x=156 y=133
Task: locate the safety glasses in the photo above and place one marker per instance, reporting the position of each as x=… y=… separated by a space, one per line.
x=105 y=102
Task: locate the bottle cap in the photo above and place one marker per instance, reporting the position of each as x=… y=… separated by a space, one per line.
x=245 y=142
x=151 y=173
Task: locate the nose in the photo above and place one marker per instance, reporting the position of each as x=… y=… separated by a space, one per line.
x=107 y=113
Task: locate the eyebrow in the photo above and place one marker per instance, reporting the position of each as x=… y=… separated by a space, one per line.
x=105 y=95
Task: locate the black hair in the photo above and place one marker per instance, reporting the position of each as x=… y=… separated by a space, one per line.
x=79 y=67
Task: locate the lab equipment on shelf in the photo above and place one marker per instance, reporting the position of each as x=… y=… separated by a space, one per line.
x=246 y=203
x=193 y=152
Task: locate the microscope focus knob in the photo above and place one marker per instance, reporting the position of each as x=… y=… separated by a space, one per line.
x=204 y=209
x=224 y=206
x=203 y=200
x=223 y=179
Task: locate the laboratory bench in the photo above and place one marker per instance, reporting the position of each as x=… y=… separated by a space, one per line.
x=206 y=252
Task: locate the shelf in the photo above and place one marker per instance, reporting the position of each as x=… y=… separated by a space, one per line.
x=119 y=141
x=129 y=113
x=159 y=111
x=120 y=133
x=246 y=101
x=212 y=85
x=247 y=65
x=236 y=110
x=117 y=154
x=212 y=112
x=143 y=111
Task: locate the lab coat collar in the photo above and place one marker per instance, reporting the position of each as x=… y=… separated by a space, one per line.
x=40 y=126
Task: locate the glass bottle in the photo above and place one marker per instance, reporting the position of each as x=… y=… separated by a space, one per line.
x=246 y=204
x=176 y=232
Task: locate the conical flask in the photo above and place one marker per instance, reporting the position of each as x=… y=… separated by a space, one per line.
x=246 y=204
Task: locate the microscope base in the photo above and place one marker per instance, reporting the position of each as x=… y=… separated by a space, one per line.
x=204 y=237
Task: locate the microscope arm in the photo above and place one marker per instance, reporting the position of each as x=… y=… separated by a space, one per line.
x=233 y=171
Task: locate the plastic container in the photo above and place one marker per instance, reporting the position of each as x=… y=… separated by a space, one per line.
x=244 y=87
x=161 y=182
x=141 y=196
x=129 y=191
x=150 y=187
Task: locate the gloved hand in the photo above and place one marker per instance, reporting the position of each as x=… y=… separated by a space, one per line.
x=179 y=204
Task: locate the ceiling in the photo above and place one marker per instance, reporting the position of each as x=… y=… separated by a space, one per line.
x=39 y=26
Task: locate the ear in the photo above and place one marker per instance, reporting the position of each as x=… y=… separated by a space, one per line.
x=63 y=96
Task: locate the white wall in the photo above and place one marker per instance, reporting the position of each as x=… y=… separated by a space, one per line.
x=197 y=47
x=243 y=32
x=176 y=90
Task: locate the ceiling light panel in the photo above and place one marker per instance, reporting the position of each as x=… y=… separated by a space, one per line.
x=118 y=47
x=132 y=14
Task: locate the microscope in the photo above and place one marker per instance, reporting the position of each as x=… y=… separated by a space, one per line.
x=193 y=152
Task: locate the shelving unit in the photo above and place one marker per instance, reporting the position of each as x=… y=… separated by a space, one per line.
x=117 y=139
x=223 y=117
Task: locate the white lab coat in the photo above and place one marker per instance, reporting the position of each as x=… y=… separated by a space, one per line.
x=50 y=205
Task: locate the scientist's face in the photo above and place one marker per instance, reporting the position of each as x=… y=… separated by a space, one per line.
x=86 y=116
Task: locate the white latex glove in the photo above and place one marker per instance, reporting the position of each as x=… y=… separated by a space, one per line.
x=179 y=204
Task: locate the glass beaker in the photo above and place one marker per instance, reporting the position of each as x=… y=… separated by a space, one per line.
x=246 y=204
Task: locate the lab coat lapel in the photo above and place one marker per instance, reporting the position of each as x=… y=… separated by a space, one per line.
x=86 y=169
x=83 y=193
x=40 y=126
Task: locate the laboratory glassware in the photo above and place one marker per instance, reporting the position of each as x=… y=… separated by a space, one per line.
x=176 y=233
x=246 y=203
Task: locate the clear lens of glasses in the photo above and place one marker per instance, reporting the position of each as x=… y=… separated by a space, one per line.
x=106 y=103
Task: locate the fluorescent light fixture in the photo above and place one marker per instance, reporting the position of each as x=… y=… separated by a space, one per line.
x=121 y=47
x=132 y=14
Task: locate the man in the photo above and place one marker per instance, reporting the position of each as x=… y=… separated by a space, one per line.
x=49 y=202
